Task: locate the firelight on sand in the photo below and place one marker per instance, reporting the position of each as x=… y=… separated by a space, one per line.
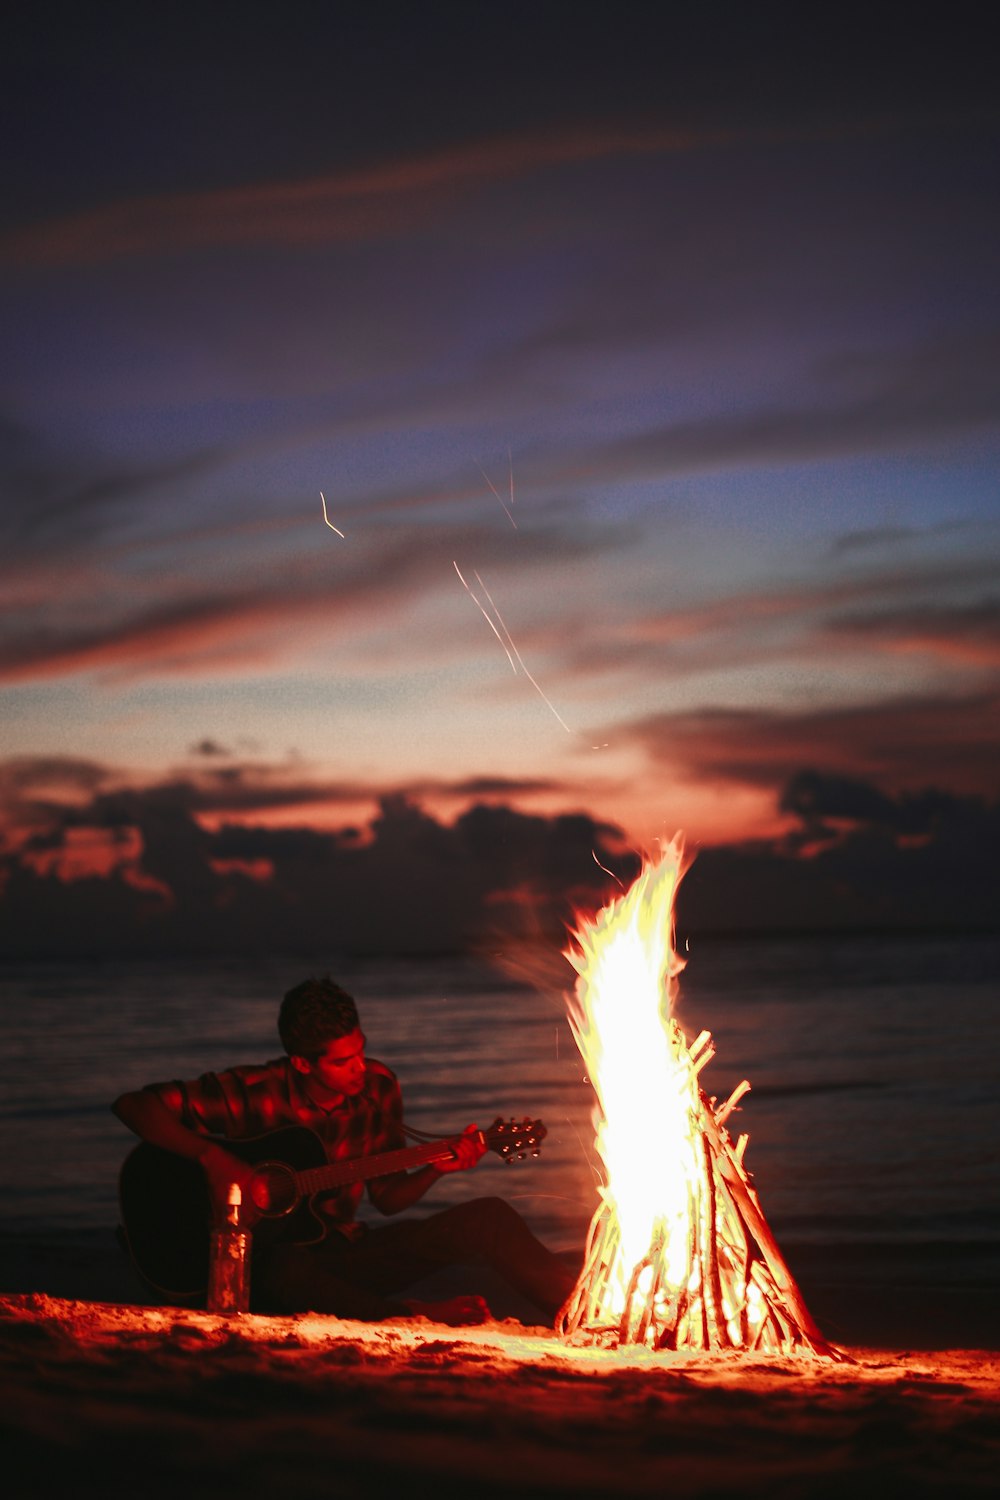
x=679 y=1254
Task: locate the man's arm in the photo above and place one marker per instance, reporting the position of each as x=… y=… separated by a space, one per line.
x=145 y=1113
x=395 y=1194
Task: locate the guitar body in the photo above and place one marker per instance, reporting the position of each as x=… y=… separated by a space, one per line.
x=166 y=1212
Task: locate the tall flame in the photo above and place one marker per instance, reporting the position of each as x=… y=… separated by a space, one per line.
x=679 y=1253
x=647 y=1096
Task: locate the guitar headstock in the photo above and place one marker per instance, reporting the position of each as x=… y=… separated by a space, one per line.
x=515 y=1139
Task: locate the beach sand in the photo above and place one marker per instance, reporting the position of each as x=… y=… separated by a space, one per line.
x=114 y=1398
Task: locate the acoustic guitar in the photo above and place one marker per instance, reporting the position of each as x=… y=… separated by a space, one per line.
x=166 y=1211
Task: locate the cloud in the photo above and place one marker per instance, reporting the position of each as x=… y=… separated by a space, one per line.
x=55 y=501
x=823 y=802
x=873 y=538
x=873 y=862
x=910 y=396
x=839 y=618
x=39 y=792
x=400 y=192
x=51 y=795
x=195 y=634
x=408 y=884
x=486 y=786
x=376 y=201
x=493 y=879
x=352 y=205
x=902 y=743
x=23 y=774
x=197 y=627
x=965 y=634
x=890 y=538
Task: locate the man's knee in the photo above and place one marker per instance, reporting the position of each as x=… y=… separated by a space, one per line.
x=489 y=1221
x=492 y=1210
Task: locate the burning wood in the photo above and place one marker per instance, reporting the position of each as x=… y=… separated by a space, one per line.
x=679 y=1254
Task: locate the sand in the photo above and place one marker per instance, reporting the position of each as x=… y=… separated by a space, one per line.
x=103 y=1398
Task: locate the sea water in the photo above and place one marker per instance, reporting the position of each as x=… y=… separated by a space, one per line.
x=874 y=1113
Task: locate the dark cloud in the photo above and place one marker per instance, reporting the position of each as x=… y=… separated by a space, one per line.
x=407 y=883
x=57 y=500
x=49 y=795
x=874 y=538
x=889 y=538
x=494 y=879
x=489 y=786
x=863 y=861
x=823 y=802
x=21 y=774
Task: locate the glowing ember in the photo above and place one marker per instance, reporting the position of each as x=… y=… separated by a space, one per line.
x=679 y=1254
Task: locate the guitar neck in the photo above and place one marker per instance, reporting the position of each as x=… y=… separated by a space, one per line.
x=361 y=1168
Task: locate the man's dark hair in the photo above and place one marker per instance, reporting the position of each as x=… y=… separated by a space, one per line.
x=315 y=1012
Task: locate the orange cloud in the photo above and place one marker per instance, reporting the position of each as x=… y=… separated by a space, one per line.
x=353 y=205
x=967 y=635
x=371 y=201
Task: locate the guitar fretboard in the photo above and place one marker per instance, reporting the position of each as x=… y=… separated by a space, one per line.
x=361 y=1168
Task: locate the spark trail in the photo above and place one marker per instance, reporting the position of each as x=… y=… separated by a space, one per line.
x=597 y=862
x=507 y=509
x=326 y=518
x=506 y=640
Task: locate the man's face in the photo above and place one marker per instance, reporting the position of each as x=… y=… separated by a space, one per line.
x=339 y=1068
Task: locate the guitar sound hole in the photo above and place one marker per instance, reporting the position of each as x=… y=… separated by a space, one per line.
x=272 y=1189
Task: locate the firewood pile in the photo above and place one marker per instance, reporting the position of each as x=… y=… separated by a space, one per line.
x=725 y=1285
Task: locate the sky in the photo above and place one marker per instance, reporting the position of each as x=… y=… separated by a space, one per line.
x=647 y=360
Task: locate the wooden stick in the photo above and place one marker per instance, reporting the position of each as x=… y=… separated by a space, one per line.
x=758 y=1226
x=712 y=1279
x=722 y=1114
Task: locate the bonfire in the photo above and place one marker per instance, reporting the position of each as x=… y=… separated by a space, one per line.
x=679 y=1254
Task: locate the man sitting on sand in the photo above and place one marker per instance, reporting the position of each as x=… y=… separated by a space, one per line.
x=354 y=1105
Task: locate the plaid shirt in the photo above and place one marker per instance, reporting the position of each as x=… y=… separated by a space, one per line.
x=252 y=1100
